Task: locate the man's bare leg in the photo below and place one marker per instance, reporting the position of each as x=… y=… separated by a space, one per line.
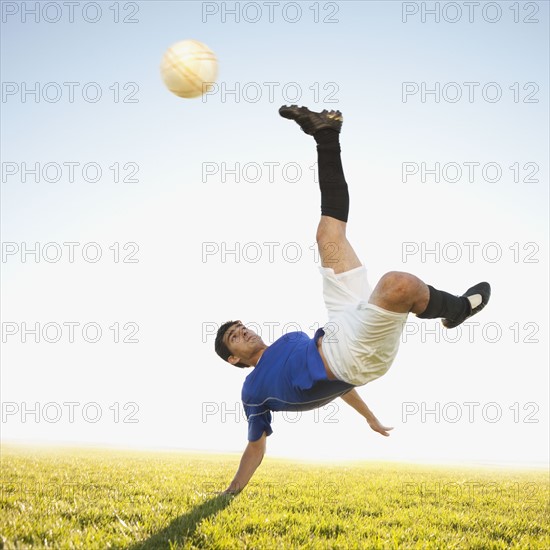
x=396 y=291
x=401 y=292
x=334 y=248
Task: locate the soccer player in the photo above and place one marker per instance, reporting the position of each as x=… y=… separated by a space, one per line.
x=360 y=341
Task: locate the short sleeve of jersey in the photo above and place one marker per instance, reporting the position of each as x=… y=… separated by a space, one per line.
x=258 y=424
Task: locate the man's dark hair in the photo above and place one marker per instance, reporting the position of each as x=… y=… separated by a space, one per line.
x=221 y=349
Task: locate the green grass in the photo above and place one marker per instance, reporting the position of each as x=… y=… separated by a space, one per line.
x=90 y=498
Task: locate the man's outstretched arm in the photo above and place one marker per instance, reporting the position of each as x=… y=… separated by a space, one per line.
x=353 y=399
x=251 y=459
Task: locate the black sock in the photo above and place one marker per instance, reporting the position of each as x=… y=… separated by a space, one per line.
x=445 y=305
x=334 y=189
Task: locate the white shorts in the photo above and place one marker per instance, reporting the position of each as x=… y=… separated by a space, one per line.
x=361 y=340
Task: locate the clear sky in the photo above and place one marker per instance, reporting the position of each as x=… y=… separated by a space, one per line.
x=445 y=149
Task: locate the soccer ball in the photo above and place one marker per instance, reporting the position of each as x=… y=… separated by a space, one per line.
x=189 y=68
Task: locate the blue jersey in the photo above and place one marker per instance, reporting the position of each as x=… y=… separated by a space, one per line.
x=290 y=376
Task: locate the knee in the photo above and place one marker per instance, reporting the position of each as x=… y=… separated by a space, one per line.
x=330 y=231
x=397 y=285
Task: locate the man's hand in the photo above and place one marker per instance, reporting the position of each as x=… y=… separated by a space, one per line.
x=353 y=399
x=375 y=424
x=231 y=492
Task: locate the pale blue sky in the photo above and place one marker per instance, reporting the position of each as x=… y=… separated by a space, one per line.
x=170 y=212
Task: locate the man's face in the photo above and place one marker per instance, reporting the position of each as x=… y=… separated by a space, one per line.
x=241 y=341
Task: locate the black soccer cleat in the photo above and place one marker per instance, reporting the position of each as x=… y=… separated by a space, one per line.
x=481 y=288
x=311 y=122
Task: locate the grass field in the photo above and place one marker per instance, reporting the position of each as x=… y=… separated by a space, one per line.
x=82 y=498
